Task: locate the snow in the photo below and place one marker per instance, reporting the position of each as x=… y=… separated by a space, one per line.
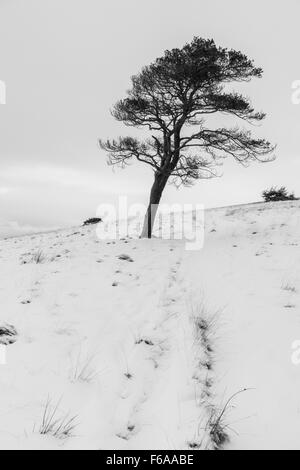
x=115 y=344
x=244 y=270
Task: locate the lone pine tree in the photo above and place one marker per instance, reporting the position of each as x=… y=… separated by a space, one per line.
x=172 y=98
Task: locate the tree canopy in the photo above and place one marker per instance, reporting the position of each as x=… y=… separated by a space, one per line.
x=173 y=98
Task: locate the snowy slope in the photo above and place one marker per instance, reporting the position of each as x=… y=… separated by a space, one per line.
x=144 y=352
x=249 y=270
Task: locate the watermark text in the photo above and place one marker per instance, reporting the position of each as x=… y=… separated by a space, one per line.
x=167 y=222
x=2 y=92
x=2 y=355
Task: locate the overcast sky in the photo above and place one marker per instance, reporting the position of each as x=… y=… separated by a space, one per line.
x=66 y=62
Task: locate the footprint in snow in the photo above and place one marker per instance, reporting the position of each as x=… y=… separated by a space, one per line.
x=125 y=258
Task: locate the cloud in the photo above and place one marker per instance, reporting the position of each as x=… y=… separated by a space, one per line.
x=34 y=198
x=64 y=177
x=4 y=190
x=14 y=229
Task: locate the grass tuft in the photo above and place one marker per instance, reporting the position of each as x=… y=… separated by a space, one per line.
x=59 y=427
x=38 y=257
x=289 y=288
x=82 y=369
x=217 y=424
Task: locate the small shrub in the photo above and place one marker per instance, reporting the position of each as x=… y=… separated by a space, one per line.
x=278 y=194
x=92 y=221
x=126 y=258
x=145 y=341
x=8 y=334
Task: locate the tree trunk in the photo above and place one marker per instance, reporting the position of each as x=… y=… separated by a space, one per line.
x=159 y=184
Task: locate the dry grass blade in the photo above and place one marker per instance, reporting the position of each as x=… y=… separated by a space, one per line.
x=60 y=427
x=38 y=257
x=82 y=370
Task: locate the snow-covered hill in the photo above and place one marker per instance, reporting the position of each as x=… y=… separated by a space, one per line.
x=138 y=344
